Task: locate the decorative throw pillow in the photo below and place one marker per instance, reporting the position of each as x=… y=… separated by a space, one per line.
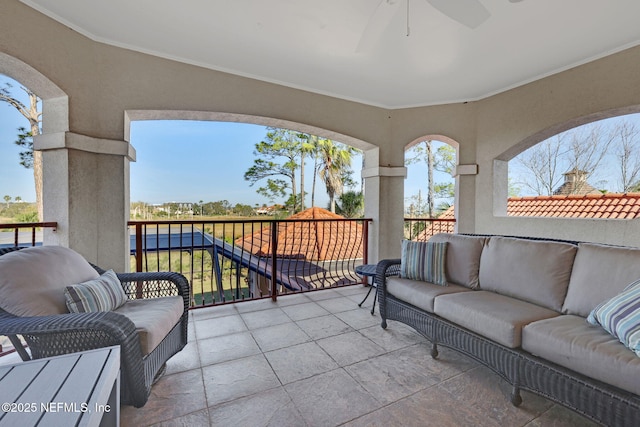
x=102 y=294
x=424 y=261
x=620 y=316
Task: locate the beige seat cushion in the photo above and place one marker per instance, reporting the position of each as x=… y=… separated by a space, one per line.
x=418 y=293
x=571 y=342
x=494 y=316
x=33 y=280
x=531 y=270
x=600 y=272
x=463 y=258
x=154 y=318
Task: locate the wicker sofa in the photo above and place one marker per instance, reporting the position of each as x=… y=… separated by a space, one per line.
x=150 y=325
x=519 y=306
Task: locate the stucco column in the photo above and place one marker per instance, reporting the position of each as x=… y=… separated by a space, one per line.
x=86 y=191
x=384 y=203
x=465 y=200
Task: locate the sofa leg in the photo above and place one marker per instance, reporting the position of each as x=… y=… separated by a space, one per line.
x=384 y=323
x=516 y=399
x=434 y=350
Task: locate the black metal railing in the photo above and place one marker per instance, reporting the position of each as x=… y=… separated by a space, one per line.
x=237 y=260
x=421 y=229
x=24 y=233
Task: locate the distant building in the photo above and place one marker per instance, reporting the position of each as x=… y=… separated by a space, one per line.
x=575 y=182
x=268 y=210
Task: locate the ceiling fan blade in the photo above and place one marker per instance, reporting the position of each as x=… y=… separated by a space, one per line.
x=470 y=13
x=377 y=24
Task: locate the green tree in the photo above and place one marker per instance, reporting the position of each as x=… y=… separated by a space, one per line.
x=350 y=204
x=278 y=163
x=243 y=210
x=7 y=200
x=442 y=159
x=29 y=158
x=28 y=217
x=219 y=208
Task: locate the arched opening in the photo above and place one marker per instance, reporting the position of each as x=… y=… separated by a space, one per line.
x=54 y=112
x=589 y=169
x=227 y=263
x=430 y=187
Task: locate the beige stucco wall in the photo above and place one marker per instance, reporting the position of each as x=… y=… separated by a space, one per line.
x=514 y=120
x=103 y=87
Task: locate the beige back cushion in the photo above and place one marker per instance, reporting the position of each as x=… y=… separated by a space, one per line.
x=32 y=280
x=531 y=270
x=463 y=258
x=599 y=273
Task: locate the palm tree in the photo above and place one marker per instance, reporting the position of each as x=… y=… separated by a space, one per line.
x=334 y=162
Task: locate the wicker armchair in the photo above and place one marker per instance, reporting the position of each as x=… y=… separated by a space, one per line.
x=58 y=334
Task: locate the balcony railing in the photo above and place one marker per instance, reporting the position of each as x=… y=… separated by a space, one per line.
x=23 y=234
x=231 y=261
x=421 y=229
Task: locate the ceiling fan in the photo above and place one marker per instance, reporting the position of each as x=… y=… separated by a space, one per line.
x=470 y=13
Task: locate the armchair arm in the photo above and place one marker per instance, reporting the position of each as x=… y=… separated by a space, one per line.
x=73 y=332
x=386 y=268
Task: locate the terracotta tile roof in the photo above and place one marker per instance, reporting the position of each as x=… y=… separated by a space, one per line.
x=604 y=206
x=309 y=240
x=601 y=206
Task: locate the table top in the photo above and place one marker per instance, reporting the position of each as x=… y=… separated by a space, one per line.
x=368 y=270
x=71 y=389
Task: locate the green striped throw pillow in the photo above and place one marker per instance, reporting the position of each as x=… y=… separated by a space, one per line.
x=102 y=294
x=424 y=261
x=620 y=316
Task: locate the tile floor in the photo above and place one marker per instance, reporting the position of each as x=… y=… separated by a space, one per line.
x=317 y=359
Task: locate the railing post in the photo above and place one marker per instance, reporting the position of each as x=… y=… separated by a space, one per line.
x=365 y=248
x=139 y=258
x=139 y=247
x=274 y=260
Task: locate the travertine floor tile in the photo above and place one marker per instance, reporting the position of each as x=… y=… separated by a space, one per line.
x=228 y=347
x=271 y=408
x=279 y=336
x=300 y=361
x=218 y=326
x=336 y=305
x=264 y=318
x=231 y=380
x=324 y=326
x=347 y=349
x=330 y=399
x=304 y=311
x=171 y=397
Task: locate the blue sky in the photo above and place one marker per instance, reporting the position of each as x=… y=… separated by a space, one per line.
x=15 y=180
x=182 y=161
x=188 y=161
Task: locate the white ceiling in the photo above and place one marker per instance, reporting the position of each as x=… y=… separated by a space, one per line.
x=313 y=44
